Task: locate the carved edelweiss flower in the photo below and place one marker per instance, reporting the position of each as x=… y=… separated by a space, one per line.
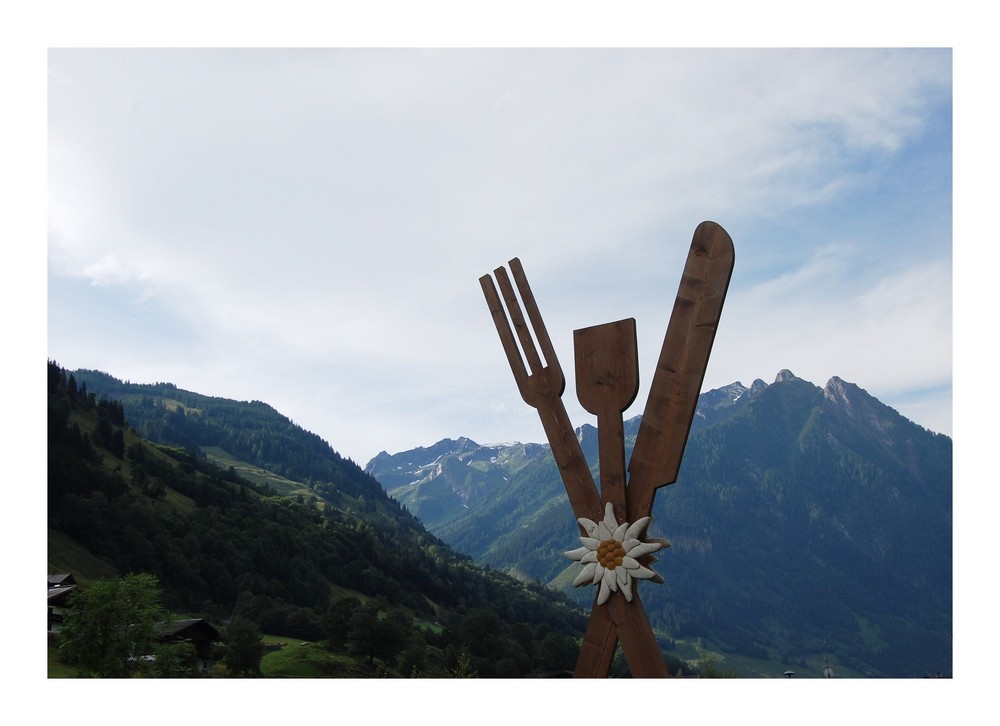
x=610 y=555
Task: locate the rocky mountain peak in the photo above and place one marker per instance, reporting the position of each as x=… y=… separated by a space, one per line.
x=837 y=390
x=785 y=375
x=862 y=408
x=850 y=397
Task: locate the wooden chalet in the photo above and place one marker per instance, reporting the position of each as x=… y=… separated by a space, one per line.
x=60 y=587
x=197 y=631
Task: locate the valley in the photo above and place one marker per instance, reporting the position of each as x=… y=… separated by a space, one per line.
x=798 y=527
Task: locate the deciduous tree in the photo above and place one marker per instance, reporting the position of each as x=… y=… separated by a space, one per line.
x=111 y=624
x=244 y=648
x=377 y=634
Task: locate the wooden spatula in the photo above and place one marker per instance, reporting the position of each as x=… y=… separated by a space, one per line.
x=607 y=380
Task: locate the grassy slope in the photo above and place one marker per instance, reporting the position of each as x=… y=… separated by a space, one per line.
x=65 y=555
x=285 y=487
x=57 y=669
x=302 y=659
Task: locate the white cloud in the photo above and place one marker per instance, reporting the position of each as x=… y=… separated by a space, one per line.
x=328 y=213
x=890 y=335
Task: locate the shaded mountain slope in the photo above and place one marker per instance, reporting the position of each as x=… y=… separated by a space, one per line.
x=805 y=521
x=222 y=544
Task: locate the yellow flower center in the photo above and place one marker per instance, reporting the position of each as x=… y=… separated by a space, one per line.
x=610 y=553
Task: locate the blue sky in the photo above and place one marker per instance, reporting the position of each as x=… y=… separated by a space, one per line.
x=307 y=227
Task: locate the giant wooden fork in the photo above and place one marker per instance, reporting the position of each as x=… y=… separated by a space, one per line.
x=662 y=434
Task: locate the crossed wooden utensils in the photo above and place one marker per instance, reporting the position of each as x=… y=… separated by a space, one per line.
x=607 y=382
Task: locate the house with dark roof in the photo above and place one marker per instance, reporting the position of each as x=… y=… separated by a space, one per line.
x=61 y=585
x=197 y=631
x=62 y=579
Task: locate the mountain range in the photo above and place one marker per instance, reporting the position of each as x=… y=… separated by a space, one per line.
x=810 y=526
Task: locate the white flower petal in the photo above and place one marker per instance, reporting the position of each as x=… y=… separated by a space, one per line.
x=636 y=529
x=610 y=579
x=642 y=573
x=586 y=575
x=629 y=564
x=591 y=556
x=589 y=525
x=598 y=574
x=577 y=554
x=627 y=591
x=643 y=548
x=621 y=574
x=630 y=543
x=609 y=524
x=602 y=596
x=618 y=534
x=590 y=543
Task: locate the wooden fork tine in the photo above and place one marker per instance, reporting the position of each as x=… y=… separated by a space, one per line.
x=506 y=335
x=517 y=320
x=536 y=318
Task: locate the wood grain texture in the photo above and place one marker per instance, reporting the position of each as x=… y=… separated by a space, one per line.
x=639 y=645
x=600 y=639
x=543 y=387
x=666 y=421
x=680 y=370
x=607 y=380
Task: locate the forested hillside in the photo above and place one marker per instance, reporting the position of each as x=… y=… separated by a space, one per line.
x=223 y=545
